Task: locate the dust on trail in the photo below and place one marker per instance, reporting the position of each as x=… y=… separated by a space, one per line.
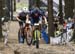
x=15 y=48
x=44 y=49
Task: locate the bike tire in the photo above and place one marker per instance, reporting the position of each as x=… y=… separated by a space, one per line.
x=37 y=43
x=37 y=40
x=28 y=39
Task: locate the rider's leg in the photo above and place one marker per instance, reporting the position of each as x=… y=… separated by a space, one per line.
x=21 y=27
x=21 y=30
x=5 y=37
x=21 y=36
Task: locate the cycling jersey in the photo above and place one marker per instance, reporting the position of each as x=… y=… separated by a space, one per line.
x=22 y=16
x=35 y=15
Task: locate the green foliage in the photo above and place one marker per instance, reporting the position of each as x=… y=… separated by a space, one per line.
x=21 y=5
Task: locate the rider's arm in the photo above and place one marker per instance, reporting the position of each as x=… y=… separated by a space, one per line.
x=45 y=20
x=18 y=18
x=40 y=20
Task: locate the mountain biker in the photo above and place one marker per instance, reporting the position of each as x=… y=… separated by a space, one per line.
x=21 y=18
x=35 y=15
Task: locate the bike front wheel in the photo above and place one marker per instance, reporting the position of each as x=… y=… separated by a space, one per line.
x=28 y=39
x=37 y=43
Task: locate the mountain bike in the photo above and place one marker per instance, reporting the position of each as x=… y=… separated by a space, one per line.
x=37 y=35
x=28 y=34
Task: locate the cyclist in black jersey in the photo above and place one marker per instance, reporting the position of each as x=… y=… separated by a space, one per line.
x=21 y=19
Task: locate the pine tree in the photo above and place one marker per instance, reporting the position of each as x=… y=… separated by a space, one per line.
x=69 y=6
x=50 y=18
x=2 y=5
x=14 y=5
x=60 y=12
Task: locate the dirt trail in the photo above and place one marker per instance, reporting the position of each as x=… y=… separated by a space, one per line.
x=15 y=48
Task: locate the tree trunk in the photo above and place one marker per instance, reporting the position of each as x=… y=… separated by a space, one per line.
x=0 y=29
x=14 y=5
x=38 y=3
x=50 y=18
x=11 y=9
x=69 y=6
x=73 y=37
x=60 y=12
x=2 y=2
x=35 y=3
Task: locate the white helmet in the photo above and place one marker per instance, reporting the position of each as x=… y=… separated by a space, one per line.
x=25 y=9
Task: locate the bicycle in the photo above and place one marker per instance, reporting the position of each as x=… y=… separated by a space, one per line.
x=28 y=34
x=37 y=35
